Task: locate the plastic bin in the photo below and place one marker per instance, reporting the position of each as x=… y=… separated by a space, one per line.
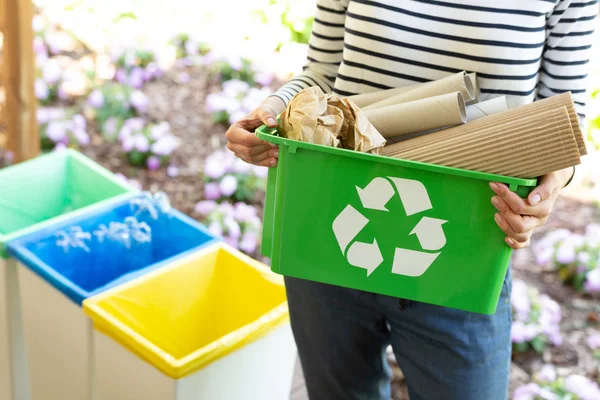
x=54 y=283
x=396 y=227
x=34 y=194
x=212 y=326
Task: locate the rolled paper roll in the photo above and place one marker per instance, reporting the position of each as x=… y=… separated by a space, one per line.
x=485 y=108
x=473 y=78
x=365 y=99
x=454 y=83
x=419 y=115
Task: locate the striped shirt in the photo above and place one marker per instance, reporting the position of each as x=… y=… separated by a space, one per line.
x=524 y=49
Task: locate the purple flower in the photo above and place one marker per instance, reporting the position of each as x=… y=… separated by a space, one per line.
x=594 y=341
x=254 y=98
x=547 y=374
x=212 y=191
x=526 y=392
x=43 y=115
x=128 y=144
x=234 y=61
x=228 y=185
x=160 y=130
x=231 y=241
x=241 y=167
x=41 y=89
x=79 y=121
x=96 y=99
x=152 y=71
x=584 y=257
x=81 y=136
x=249 y=243
x=261 y=172
x=57 y=131
x=233 y=228
x=236 y=116
x=215 y=228
x=136 y=78
x=110 y=126
x=592 y=282
x=165 y=145
x=60 y=146
x=566 y=253
x=121 y=75
x=62 y=92
x=214 y=167
x=517 y=332
x=39 y=47
x=205 y=207
x=545 y=256
x=153 y=163
x=191 y=47
x=142 y=144
x=235 y=87
x=582 y=387
x=172 y=171
x=244 y=212
x=52 y=71
x=139 y=101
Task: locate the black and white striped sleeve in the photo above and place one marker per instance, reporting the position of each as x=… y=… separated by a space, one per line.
x=565 y=61
x=325 y=48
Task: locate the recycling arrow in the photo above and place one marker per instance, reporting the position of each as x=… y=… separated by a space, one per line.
x=375 y=196
x=365 y=255
x=430 y=233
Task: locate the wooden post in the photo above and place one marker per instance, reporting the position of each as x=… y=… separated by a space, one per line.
x=18 y=79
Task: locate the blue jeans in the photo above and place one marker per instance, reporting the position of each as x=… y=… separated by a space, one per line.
x=342 y=335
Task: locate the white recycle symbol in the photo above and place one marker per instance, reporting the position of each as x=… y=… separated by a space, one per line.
x=413 y=194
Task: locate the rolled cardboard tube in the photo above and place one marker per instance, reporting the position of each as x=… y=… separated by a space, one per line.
x=473 y=78
x=419 y=115
x=485 y=108
x=366 y=99
x=454 y=83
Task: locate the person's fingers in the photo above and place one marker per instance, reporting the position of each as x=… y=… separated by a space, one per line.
x=506 y=228
x=549 y=184
x=269 y=162
x=267 y=116
x=516 y=245
x=518 y=223
x=238 y=135
x=517 y=204
x=253 y=155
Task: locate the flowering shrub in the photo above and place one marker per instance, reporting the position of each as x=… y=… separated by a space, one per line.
x=59 y=80
x=536 y=319
x=227 y=177
x=547 y=385
x=135 y=67
x=236 y=101
x=230 y=67
x=188 y=48
x=575 y=256
x=112 y=103
x=49 y=40
x=239 y=225
x=147 y=144
x=61 y=128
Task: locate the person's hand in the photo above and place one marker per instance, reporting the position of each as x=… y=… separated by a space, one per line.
x=518 y=217
x=245 y=145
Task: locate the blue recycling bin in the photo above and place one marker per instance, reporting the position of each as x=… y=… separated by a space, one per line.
x=55 y=279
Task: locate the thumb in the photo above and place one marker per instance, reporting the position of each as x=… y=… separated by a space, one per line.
x=543 y=191
x=267 y=116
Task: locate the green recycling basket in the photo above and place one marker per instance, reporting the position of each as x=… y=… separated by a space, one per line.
x=34 y=194
x=401 y=228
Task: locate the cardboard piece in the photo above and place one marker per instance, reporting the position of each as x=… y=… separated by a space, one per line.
x=525 y=142
x=485 y=108
x=419 y=115
x=313 y=117
x=473 y=78
x=453 y=83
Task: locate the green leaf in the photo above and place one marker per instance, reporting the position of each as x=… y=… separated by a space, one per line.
x=539 y=343
x=520 y=347
x=125 y=15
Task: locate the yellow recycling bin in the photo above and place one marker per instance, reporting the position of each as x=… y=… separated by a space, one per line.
x=213 y=325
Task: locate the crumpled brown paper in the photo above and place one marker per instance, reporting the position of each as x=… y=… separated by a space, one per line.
x=314 y=117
